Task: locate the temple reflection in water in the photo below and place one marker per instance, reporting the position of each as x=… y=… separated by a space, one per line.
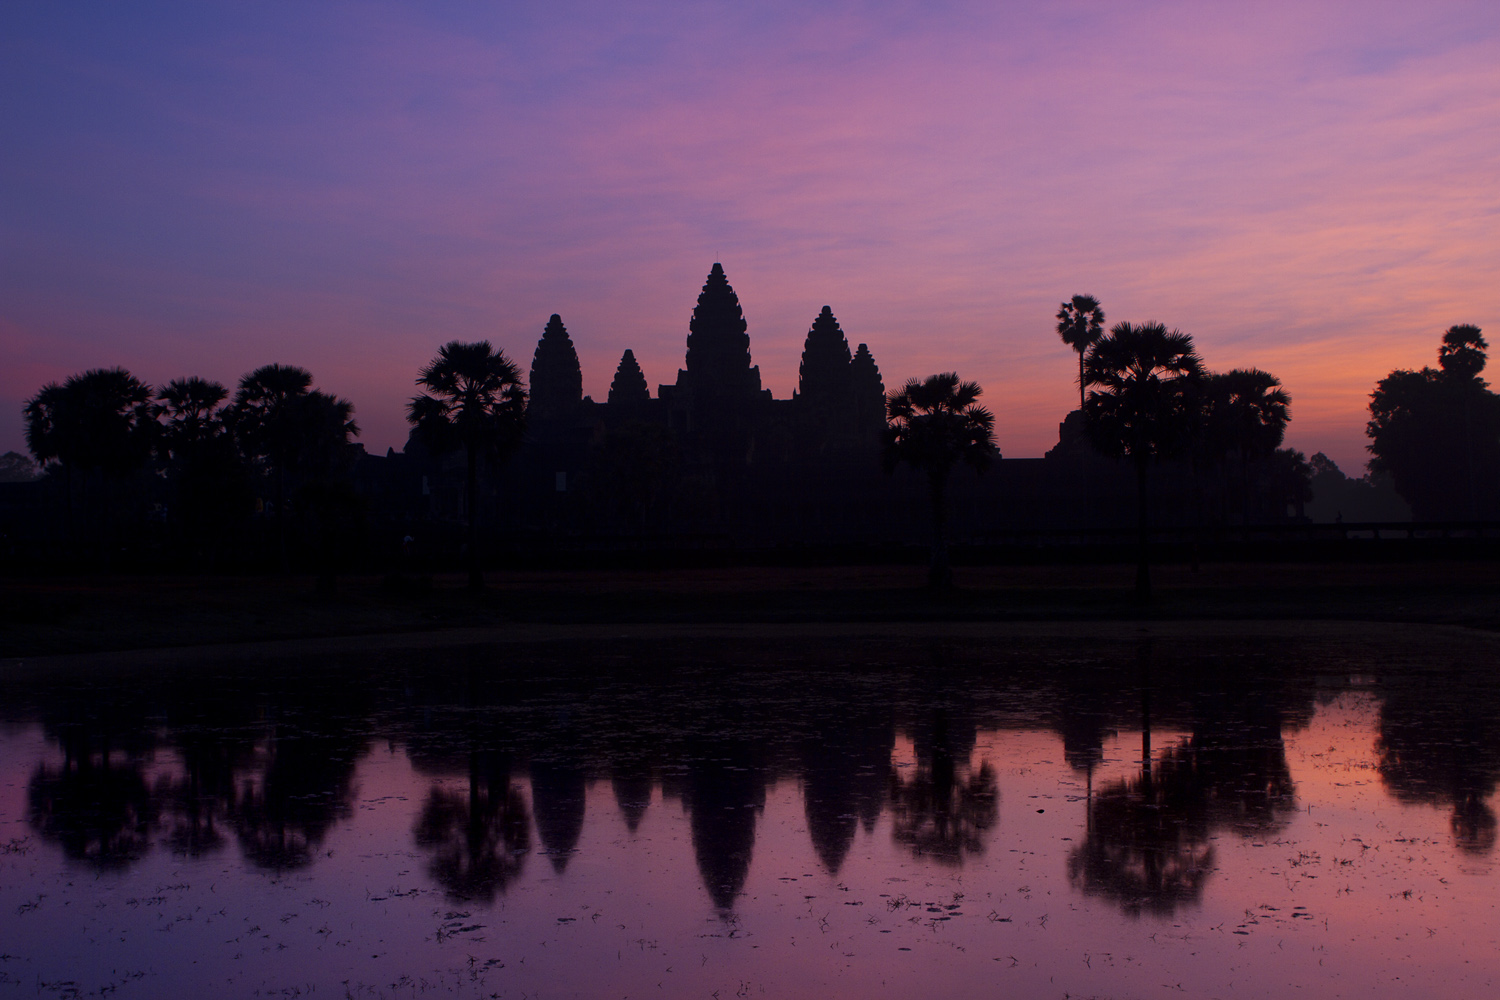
x=509 y=757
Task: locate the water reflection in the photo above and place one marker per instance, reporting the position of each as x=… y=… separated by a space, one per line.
x=97 y=807
x=632 y=782
x=478 y=840
x=1149 y=838
x=297 y=785
x=269 y=763
x=943 y=809
x=96 y=803
x=724 y=791
x=1438 y=746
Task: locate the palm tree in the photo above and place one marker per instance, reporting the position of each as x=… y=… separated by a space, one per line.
x=935 y=424
x=190 y=406
x=206 y=473
x=1144 y=405
x=1245 y=413
x=1436 y=432
x=1080 y=323
x=97 y=421
x=477 y=401
x=1462 y=354
x=264 y=428
x=281 y=421
x=322 y=462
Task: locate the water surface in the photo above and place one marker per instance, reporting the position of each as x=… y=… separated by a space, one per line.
x=759 y=814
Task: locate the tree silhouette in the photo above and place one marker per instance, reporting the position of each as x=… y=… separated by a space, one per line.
x=935 y=424
x=198 y=451
x=301 y=437
x=479 y=840
x=1289 y=475
x=98 y=422
x=477 y=403
x=18 y=468
x=1080 y=324
x=265 y=427
x=943 y=808
x=1335 y=496
x=1462 y=354
x=191 y=408
x=1245 y=413
x=323 y=462
x=1144 y=405
x=1436 y=432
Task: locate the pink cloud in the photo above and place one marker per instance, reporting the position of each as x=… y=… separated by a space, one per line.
x=1302 y=190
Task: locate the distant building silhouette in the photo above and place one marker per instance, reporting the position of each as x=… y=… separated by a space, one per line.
x=556 y=377
x=712 y=462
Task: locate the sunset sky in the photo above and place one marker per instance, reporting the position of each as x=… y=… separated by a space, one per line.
x=189 y=188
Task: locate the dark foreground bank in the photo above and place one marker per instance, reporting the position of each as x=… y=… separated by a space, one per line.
x=104 y=613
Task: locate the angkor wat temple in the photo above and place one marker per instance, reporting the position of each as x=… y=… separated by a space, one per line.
x=713 y=455
x=712 y=461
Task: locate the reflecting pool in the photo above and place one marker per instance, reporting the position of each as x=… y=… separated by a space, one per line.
x=1099 y=811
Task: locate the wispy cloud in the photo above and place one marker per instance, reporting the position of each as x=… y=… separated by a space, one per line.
x=1304 y=187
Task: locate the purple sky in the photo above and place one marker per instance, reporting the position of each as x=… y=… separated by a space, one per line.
x=1310 y=188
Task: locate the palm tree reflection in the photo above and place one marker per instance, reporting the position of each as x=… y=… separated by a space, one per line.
x=1149 y=841
x=305 y=786
x=1147 y=848
x=478 y=841
x=197 y=801
x=1438 y=746
x=97 y=805
x=943 y=811
x=98 y=809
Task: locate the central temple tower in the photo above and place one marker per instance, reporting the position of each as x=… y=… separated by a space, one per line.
x=718 y=346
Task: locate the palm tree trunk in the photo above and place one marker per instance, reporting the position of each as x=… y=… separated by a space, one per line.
x=1142 y=566
x=1143 y=667
x=284 y=562
x=71 y=522
x=940 y=573
x=471 y=500
x=1080 y=381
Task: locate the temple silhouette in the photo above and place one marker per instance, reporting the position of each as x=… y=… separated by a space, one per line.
x=712 y=462
x=712 y=455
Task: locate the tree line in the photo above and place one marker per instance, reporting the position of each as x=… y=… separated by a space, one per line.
x=125 y=450
x=1144 y=395
x=202 y=460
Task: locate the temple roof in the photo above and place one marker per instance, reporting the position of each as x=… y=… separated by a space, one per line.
x=718 y=346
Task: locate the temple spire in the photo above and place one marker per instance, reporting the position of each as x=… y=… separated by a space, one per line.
x=867 y=390
x=824 y=374
x=556 y=376
x=718 y=346
x=629 y=385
